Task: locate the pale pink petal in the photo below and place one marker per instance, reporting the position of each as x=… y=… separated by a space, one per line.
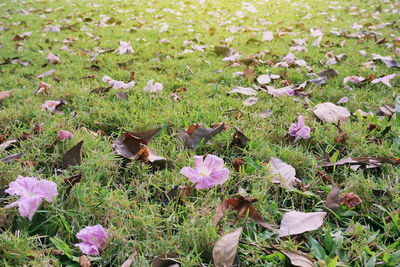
x=192 y=174
x=220 y=176
x=28 y=206
x=88 y=249
x=213 y=162
x=62 y=134
x=93 y=237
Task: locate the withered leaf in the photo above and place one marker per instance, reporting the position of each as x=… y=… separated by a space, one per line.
x=295 y=222
x=249 y=74
x=128 y=144
x=237 y=163
x=225 y=249
x=73 y=157
x=70 y=181
x=101 y=90
x=122 y=95
x=165 y=260
x=194 y=139
x=146 y=154
x=242 y=205
x=4 y=95
x=298 y=258
x=324 y=76
x=350 y=200
x=48 y=73
x=239 y=139
x=389 y=63
x=84 y=261
x=329 y=112
x=284 y=174
x=367 y=162
x=11 y=157
x=129 y=261
x=244 y=91
x=332 y=200
x=252 y=100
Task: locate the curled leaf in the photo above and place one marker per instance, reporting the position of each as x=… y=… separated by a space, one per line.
x=225 y=249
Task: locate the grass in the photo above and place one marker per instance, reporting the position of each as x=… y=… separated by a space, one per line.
x=126 y=197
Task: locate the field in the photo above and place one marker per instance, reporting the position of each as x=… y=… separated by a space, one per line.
x=74 y=52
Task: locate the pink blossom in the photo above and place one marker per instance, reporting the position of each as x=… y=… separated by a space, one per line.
x=385 y=80
x=207 y=173
x=50 y=105
x=53 y=58
x=62 y=134
x=299 y=129
x=164 y=41
x=267 y=36
x=93 y=238
x=353 y=79
x=153 y=88
x=32 y=193
x=124 y=48
x=118 y=84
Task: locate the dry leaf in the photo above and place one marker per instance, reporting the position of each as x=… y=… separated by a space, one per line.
x=284 y=174
x=194 y=139
x=332 y=200
x=73 y=157
x=298 y=258
x=350 y=200
x=129 y=261
x=263 y=79
x=237 y=163
x=329 y=112
x=244 y=91
x=249 y=74
x=84 y=261
x=252 y=100
x=148 y=155
x=239 y=139
x=165 y=260
x=11 y=158
x=225 y=249
x=295 y=222
x=242 y=205
x=48 y=73
x=222 y=51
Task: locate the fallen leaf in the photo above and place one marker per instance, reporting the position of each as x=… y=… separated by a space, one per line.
x=324 y=76
x=225 y=249
x=249 y=74
x=295 y=222
x=122 y=95
x=332 y=200
x=244 y=91
x=194 y=139
x=298 y=258
x=4 y=95
x=350 y=200
x=329 y=112
x=252 y=100
x=11 y=157
x=165 y=260
x=73 y=157
x=129 y=261
x=367 y=162
x=263 y=79
x=148 y=155
x=284 y=174
x=389 y=63
x=242 y=205
x=237 y=163
x=128 y=144
x=42 y=88
x=239 y=138
x=101 y=90
x=84 y=261
x=70 y=181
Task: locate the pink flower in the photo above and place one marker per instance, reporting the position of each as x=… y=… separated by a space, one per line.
x=207 y=173
x=299 y=129
x=385 y=79
x=62 y=134
x=50 y=105
x=118 y=84
x=53 y=58
x=93 y=238
x=32 y=192
x=124 y=48
x=153 y=88
x=267 y=36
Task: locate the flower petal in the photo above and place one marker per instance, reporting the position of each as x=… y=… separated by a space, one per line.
x=192 y=174
x=213 y=162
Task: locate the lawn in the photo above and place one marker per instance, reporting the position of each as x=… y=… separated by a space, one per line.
x=320 y=193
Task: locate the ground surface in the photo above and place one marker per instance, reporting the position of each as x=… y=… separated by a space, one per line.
x=129 y=198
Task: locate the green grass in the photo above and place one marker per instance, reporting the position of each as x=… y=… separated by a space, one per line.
x=125 y=197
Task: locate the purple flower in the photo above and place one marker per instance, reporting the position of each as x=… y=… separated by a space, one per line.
x=62 y=134
x=93 y=238
x=32 y=192
x=299 y=129
x=207 y=173
x=153 y=88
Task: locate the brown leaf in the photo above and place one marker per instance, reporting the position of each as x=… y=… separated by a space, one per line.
x=222 y=51
x=367 y=162
x=195 y=138
x=237 y=163
x=73 y=157
x=350 y=200
x=165 y=260
x=122 y=95
x=225 y=249
x=329 y=112
x=332 y=200
x=298 y=258
x=239 y=139
x=4 y=95
x=249 y=74
x=128 y=144
x=70 y=181
x=28 y=163
x=252 y=100
x=146 y=154
x=242 y=205
x=12 y=157
x=42 y=88
x=129 y=261
x=84 y=261
x=101 y=90
x=294 y=222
